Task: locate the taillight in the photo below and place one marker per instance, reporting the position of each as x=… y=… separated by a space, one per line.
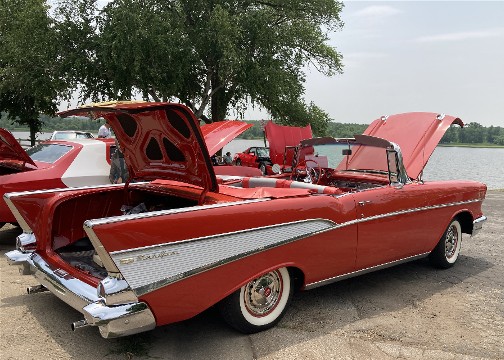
x=26 y=242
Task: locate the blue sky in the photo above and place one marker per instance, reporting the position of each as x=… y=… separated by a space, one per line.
x=401 y=56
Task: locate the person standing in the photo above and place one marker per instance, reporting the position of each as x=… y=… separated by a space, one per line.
x=104 y=131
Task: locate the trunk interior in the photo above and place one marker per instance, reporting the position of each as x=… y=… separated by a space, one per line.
x=69 y=239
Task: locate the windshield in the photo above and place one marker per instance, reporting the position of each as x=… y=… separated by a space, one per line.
x=71 y=135
x=48 y=153
x=348 y=157
x=262 y=152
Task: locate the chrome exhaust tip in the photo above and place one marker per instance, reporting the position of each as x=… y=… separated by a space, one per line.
x=36 y=289
x=79 y=324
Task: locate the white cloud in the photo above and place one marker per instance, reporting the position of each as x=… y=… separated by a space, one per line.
x=461 y=36
x=377 y=11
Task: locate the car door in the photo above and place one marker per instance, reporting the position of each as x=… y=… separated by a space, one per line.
x=250 y=156
x=393 y=221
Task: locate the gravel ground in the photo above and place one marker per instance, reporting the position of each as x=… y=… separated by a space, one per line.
x=411 y=311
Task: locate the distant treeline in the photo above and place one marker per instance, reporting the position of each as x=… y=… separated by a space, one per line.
x=56 y=123
x=339 y=130
x=472 y=133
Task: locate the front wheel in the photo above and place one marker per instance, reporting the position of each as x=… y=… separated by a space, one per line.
x=446 y=252
x=238 y=162
x=262 y=167
x=260 y=304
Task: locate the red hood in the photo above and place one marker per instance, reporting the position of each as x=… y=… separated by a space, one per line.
x=159 y=141
x=219 y=134
x=10 y=149
x=417 y=134
x=279 y=137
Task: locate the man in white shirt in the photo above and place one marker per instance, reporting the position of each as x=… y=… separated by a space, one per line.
x=104 y=131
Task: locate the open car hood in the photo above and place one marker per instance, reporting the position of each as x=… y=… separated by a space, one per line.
x=159 y=141
x=282 y=140
x=416 y=133
x=10 y=148
x=218 y=134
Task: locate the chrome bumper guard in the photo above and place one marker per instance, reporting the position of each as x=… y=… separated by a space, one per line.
x=113 y=321
x=478 y=225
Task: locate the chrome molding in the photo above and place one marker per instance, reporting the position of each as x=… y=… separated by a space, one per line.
x=363 y=271
x=150 y=268
x=113 y=219
x=104 y=254
x=408 y=211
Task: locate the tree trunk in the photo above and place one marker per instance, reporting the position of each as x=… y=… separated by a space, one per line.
x=219 y=100
x=33 y=132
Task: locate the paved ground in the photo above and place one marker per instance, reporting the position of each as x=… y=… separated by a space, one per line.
x=411 y=311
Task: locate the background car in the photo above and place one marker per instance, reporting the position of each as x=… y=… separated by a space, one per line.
x=51 y=164
x=256 y=156
x=70 y=134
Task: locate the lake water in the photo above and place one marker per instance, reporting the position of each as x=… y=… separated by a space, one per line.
x=446 y=163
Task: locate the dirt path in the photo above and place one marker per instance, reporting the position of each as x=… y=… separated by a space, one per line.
x=411 y=311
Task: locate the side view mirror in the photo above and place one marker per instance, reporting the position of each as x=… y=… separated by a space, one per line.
x=345 y=152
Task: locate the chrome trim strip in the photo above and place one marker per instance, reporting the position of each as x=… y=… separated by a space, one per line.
x=363 y=271
x=149 y=268
x=478 y=225
x=113 y=219
x=408 y=211
x=104 y=254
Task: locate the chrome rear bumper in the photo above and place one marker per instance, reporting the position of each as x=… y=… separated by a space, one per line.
x=478 y=225
x=113 y=321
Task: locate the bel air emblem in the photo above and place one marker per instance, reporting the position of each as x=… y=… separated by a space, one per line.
x=156 y=255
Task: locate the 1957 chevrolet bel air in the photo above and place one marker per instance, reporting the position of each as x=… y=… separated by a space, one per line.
x=178 y=239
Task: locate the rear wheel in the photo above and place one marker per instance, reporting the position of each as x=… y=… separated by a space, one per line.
x=238 y=162
x=260 y=304
x=446 y=252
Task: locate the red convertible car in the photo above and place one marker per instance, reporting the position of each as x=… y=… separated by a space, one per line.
x=49 y=165
x=125 y=255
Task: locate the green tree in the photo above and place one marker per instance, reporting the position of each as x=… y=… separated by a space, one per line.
x=29 y=84
x=207 y=53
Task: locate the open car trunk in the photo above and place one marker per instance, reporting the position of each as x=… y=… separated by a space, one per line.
x=70 y=241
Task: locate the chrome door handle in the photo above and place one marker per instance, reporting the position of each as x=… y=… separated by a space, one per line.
x=362 y=203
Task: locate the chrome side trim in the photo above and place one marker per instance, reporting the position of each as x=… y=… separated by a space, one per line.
x=105 y=256
x=408 y=211
x=363 y=271
x=478 y=225
x=150 y=268
x=113 y=219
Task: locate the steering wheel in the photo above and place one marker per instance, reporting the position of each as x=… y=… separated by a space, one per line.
x=311 y=174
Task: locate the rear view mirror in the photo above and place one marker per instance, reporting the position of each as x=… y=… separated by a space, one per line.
x=345 y=152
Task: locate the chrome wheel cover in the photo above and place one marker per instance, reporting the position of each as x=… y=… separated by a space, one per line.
x=263 y=294
x=451 y=241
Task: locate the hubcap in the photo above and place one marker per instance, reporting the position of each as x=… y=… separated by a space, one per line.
x=451 y=242
x=262 y=294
